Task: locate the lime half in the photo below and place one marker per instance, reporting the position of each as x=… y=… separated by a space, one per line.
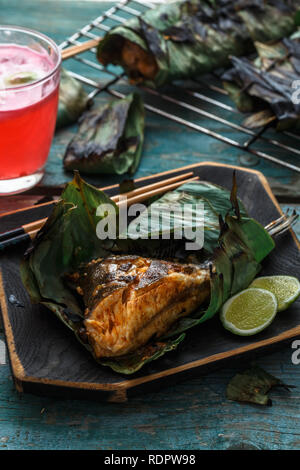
x=285 y=288
x=249 y=312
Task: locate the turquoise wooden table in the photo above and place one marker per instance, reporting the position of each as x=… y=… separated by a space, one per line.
x=191 y=415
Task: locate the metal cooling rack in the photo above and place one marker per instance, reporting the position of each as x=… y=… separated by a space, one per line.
x=201 y=105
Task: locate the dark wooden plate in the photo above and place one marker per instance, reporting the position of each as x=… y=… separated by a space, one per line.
x=46 y=358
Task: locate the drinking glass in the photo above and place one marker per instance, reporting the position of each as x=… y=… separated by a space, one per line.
x=27 y=110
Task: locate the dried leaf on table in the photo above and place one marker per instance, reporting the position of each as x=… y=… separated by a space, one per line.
x=265 y=85
x=252 y=386
x=73 y=100
x=110 y=138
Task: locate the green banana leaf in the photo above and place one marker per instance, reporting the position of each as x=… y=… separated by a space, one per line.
x=184 y=39
x=110 y=138
x=215 y=204
x=265 y=85
x=73 y=100
x=69 y=239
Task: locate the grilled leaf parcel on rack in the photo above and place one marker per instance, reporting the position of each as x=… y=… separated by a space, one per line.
x=188 y=38
x=128 y=308
x=73 y=100
x=265 y=85
x=110 y=138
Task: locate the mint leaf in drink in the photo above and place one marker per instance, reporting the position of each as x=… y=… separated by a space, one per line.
x=20 y=78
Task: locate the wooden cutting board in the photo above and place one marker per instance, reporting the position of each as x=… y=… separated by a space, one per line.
x=46 y=358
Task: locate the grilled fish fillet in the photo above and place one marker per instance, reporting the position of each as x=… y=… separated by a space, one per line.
x=140 y=63
x=130 y=299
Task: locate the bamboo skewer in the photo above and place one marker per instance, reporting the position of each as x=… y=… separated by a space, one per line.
x=18 y=239
x=38 y=223
x=135 y=199
x=29 y=231
x=115 y=186
x=27 y=228
x=154 y=192
x=73 y=50
x=152 y=186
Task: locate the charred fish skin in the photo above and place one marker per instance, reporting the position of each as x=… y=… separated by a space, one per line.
x=130 y=299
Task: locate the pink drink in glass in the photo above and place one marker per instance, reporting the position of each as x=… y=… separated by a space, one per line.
x=29 y=84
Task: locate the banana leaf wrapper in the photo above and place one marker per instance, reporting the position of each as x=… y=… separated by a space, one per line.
x=73 y=100
x=265 y=86
x=110 y=138
x=69 y=238
x=185 y=39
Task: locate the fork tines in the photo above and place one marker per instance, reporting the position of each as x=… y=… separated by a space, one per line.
x=282 y=224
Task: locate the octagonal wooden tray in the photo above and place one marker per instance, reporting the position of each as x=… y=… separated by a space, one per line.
x=46 y=358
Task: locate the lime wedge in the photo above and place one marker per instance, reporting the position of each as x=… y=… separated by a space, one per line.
x=20 y=78
x=285 y=288
x=249 y=312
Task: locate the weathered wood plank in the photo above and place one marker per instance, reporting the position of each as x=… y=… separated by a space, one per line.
x=207 y=420
x=191 y=415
